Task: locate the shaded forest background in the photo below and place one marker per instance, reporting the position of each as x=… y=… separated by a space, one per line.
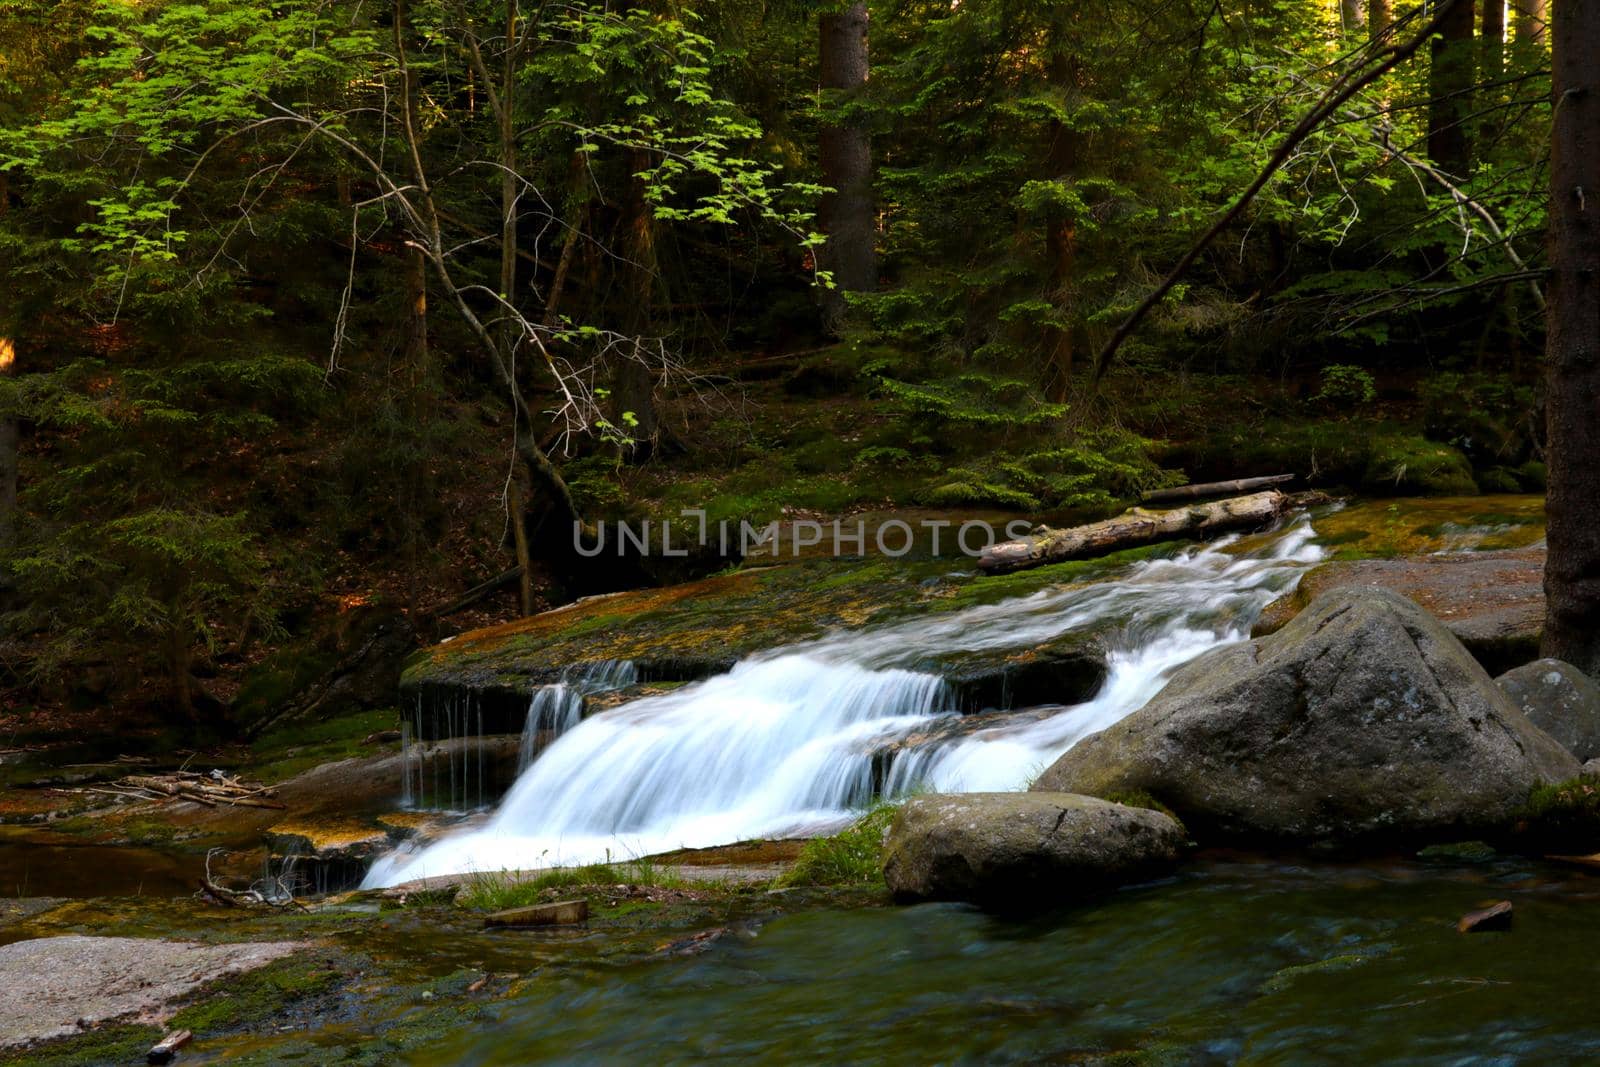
x=319 y=316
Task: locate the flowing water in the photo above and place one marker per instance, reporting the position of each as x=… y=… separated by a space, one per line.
x=557 y=708
x=1232 y=961
x=796 y=739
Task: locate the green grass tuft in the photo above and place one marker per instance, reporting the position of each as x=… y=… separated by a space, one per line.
x=495 y=891
x=853 y=856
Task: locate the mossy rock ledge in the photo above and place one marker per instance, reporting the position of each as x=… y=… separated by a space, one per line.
x=481 y=682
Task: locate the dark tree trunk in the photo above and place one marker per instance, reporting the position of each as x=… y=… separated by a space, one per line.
x=8 y=457
x=1450 y=81
x=1061 y=234
x=846 y=214
x=1493 y=41
x=633 y=378
x=418 y=410
x=1530 y=21
x=8 y=423
x=1572 y=354
x=1379 y=14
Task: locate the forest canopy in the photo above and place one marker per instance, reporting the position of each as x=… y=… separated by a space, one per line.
x=316 y=308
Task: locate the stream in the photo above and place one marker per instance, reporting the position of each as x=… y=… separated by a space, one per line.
x=1233 y=960
x=789 y=742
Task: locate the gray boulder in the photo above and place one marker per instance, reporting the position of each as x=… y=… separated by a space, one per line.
x=1362 y=719
x=1023 y=849
x=1559 y=699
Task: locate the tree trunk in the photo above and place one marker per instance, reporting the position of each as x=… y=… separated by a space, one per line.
x=1137 y=526
x=8 y=423
x=1061 y=229
x=1530 y=21
x=845 y=215
x=633 y=379
x=8 y=457
x=577 y=213
x=1380 y=13
x=415 y=403
x=1493 y=41
x=505 y=114
x=1450 y=81
x=1204 y=489
x=180 y=657
x=1350 y=20
x=1572 y=352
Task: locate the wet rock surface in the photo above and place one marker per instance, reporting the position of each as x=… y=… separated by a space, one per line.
x=484 y=680
x=1493 y=602
x=1363 y=719
x=56 y=986
x=1559 y=699
x=1023 y=849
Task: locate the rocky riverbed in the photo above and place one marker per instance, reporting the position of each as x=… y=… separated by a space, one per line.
x=1451 y=794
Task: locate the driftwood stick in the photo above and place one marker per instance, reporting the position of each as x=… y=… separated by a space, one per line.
x=1137 y=526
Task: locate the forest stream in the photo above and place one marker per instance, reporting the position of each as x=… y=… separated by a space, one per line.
x=1238 y=957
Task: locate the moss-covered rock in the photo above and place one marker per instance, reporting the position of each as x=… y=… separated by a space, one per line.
x=697 y=629
x=1410 y=464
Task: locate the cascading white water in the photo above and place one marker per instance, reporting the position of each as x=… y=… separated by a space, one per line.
x=784 y=742
x=558 y=707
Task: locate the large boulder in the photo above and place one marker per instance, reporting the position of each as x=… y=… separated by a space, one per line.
x=1362 y=719
x=1023 y=849
x=1493 y=602
x=1559 y=699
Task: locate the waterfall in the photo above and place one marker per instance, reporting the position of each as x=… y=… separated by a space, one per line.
x=788 y=741
x=557 y=708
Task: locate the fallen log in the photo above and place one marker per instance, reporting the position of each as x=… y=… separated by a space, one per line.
x=1205 y=489
x=559 y=913
x=1134 y=527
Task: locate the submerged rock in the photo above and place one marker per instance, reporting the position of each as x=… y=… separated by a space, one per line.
x=1496 y=916
x=1023 y=849
x=1559 y=699
x=1493 y=602
x=1362 y=719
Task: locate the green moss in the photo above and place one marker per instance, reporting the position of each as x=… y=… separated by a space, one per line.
x=279 y=677
x=1499 y=480
x=249 y=1000
x=106 y=1045
x=1412 y=465
x=1563 y=817
x=1459 y=852
x=147 y=832
x=288 y=750
x=851 y=857
x=1138 y=798
x=1287 y=977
